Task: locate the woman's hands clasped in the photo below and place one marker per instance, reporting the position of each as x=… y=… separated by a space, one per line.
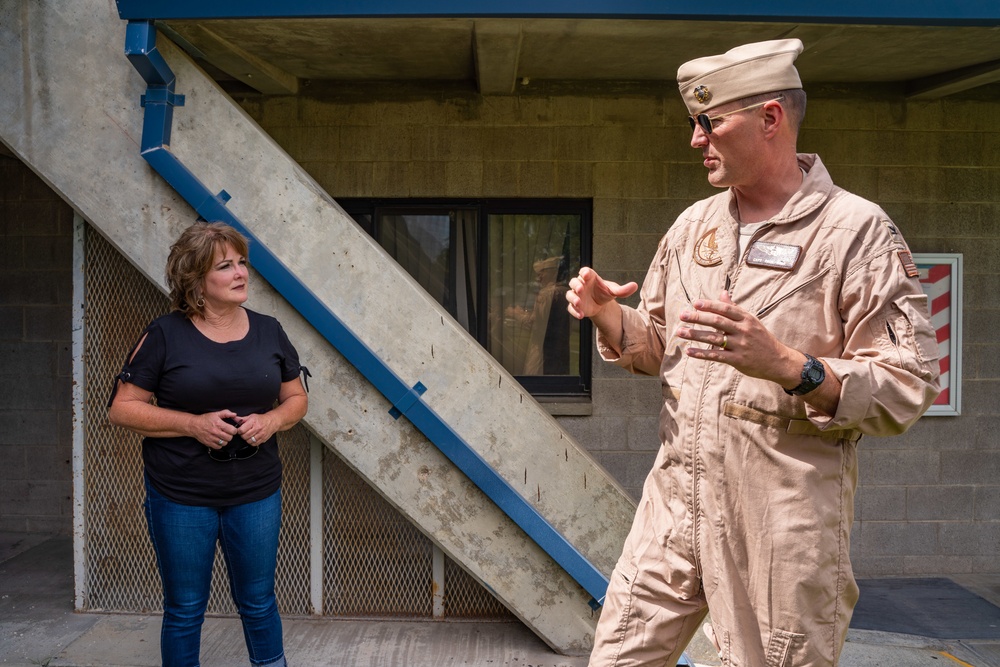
x=216 y=429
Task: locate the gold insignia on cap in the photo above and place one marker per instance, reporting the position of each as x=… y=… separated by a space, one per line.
x=702 y=94
x=706 y=251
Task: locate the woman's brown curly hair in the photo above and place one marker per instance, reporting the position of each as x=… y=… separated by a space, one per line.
x=191 y=258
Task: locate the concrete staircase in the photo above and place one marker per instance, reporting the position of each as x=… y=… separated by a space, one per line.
x=69 y=108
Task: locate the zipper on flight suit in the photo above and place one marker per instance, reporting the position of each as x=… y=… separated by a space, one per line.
x=695 y=477
x=730 y=281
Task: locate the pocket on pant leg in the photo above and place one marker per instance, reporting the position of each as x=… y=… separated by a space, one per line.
x=613 y=624
x=781 y=645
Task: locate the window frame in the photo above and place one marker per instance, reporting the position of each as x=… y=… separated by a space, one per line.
x=367 y=210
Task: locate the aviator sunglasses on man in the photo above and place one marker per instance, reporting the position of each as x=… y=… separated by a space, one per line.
x=705 y=121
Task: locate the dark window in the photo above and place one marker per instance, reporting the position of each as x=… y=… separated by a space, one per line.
x=501 y=268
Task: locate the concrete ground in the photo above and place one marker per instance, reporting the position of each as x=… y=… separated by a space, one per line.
x=39 y=627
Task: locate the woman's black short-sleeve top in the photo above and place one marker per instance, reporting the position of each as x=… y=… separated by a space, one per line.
x=187 y=371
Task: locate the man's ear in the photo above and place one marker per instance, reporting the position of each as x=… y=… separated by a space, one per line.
x=775 y=117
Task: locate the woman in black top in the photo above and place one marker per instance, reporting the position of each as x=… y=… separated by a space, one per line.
x=225 y=380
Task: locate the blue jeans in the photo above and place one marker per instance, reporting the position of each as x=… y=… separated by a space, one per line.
x=184 y=538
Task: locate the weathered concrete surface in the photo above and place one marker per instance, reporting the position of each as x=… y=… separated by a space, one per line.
x=69 y=107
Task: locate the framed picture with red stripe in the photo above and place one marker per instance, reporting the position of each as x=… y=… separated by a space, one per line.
x=940 y=275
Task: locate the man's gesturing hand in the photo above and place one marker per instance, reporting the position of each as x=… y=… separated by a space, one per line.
x=588 y=293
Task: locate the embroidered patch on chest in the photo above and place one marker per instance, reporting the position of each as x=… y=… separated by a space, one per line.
x=706 y=250
x=774 y=255
x=908 y=264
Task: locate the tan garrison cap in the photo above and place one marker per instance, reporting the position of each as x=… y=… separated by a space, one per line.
x=741 y=72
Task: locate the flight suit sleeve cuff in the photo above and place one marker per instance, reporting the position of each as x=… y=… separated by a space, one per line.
x=855 y=398
x=632 y=340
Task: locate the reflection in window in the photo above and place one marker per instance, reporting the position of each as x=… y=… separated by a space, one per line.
x=519 y=273
x=530 y=261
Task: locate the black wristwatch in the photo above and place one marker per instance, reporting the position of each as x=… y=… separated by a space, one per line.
x=813 y=374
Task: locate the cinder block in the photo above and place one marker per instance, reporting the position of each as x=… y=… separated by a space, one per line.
x=307 y=144
x=838 y=112
x=645 y=395
x=427 y=179
x=346 y=179
x=26 y=429
x=648 y=144
x=644 y=433
x=638 y=110
x=574 y=179
x=405 y=112
x=500 y=110
x=11 y=185
x=689 y=181
x=617 y=464
x=936 y=565
x=537 y=179
x=11 y=321
x=35 y=189
x=899 y=467
x=366 y=143
x=450 y=143
x=862 y=181
x=980 y=321
x=519 y=143
x=389 y=179
x=548 y=110
x=651 y=215
x=970 y=467
x=463 y=179
x=609 y=433
x=500 y=179
x=611 y=394
x=571 y=110
x=985 y=564
x=875 y=566
x=316 y=112
x=970 y=538
x=610 y=216
x=34 y=392
x=987 y=503
x=25 y=360
x=590 y=144
x=48 y=323
x=582 y=430
x=899 y=538
x=11 y=252
x=939 y=503
x=991 y=149
x=47 y=462
x=881 y=503
x=639 y=465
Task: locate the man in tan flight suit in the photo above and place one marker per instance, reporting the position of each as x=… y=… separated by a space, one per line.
x=785 y=319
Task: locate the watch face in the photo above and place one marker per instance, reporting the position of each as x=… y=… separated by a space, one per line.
x=816 y=372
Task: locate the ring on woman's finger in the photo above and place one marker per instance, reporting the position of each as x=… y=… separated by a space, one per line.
x=725 y=342
x=253 y=440
x=221 y=442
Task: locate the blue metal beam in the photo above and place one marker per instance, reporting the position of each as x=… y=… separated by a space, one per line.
x=159 y=100
x=886 y=12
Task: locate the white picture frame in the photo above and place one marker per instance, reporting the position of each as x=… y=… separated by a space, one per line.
x=941 y=278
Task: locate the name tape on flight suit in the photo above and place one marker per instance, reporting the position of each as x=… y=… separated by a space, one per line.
x=774 y=255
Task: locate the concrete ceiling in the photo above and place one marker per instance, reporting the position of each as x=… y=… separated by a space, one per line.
x=503 y=55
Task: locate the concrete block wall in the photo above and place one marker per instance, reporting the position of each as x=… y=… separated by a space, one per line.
x=36 y=288
x=930 y=500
